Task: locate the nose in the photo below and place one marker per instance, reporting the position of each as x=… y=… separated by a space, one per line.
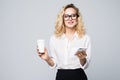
x=70 y=17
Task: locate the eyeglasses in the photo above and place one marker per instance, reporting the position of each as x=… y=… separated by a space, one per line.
x=72 y=16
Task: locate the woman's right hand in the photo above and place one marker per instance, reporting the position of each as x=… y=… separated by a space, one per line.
x=44 y=55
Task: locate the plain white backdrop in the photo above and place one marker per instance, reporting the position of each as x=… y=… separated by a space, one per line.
x=22 y=22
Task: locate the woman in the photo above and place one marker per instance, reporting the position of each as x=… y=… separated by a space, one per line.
x=70 y=46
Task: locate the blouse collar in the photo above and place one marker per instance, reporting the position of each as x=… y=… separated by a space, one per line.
x=74 y=36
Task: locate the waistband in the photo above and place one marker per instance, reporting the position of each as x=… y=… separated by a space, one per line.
x=70 y=69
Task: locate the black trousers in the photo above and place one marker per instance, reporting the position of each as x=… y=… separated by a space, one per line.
x=71 y=74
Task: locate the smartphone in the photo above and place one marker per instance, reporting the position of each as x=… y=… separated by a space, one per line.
x=82 y=49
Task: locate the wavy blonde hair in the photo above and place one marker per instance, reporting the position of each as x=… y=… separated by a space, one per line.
x=60 y=27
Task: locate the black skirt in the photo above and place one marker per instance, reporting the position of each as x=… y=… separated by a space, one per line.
x=71 y=74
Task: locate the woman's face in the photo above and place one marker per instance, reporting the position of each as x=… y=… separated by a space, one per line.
x=70 y=18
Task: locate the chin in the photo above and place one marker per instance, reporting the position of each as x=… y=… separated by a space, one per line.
x=70 y=27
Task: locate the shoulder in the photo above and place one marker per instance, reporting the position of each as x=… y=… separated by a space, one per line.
x=87 y=37
x=53 y=38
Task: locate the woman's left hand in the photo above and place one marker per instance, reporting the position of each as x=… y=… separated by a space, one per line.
x=81 y=54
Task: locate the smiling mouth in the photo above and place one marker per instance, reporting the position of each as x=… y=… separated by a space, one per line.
x=70 y=22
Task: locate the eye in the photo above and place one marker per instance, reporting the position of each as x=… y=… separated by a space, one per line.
x=66 y=16
x=73 y=15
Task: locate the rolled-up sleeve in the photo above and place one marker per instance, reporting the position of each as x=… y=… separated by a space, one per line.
x=88 y=52
x=52 y=52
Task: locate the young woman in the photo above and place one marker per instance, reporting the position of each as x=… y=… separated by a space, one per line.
x=70 y=46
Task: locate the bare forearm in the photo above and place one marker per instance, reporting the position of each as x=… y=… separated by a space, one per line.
x=82 y=61
x=50 y=61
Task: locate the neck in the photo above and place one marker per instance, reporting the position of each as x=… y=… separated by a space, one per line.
x=70 y=30
x=69 y=33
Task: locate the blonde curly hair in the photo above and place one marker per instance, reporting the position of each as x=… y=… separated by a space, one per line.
x=60 y=27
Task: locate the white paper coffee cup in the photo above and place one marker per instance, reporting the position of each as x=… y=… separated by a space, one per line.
x=41 y=45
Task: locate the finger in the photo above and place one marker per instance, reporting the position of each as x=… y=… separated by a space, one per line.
x=37 y=50
x=79 y=54
x=46 y=52
x=84 y=53
x=40 y=55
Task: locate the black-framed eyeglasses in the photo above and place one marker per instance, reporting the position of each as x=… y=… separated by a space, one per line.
x=72 y=16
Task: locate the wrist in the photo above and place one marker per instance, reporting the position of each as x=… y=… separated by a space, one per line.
x=82 y=58
x=47 y=59
x=83 y=61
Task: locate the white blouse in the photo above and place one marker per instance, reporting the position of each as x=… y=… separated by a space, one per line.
x=63 y=51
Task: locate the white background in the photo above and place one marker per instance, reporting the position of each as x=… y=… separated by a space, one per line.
x=22 y=22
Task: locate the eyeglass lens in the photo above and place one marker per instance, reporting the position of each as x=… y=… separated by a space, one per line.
x=72 y=16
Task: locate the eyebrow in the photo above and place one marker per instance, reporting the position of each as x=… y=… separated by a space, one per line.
x=70 y=14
